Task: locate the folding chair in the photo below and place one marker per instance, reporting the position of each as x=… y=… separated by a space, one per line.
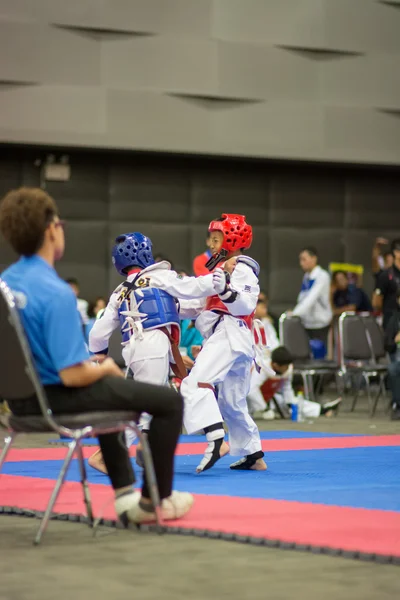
x=19 y=380
x=361 y=348
x=294 y=337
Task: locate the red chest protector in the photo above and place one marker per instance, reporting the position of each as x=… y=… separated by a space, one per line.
x=215 y=303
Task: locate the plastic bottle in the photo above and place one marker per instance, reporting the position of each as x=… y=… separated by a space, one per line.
x=300 y=407
x=295 y=409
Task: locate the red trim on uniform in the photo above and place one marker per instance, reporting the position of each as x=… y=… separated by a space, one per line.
x=215 y=303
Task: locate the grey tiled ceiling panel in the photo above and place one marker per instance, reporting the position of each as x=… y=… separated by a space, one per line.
x=300 y=79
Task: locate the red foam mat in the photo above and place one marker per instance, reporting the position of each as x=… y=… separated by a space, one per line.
x=347 y=529
x=59 y=452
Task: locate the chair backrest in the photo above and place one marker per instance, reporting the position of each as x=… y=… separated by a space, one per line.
x=16 y=367
x=376 y=336
x=354 y=342
x=294 y=337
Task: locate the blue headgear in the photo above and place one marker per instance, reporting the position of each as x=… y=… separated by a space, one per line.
x=132 y=250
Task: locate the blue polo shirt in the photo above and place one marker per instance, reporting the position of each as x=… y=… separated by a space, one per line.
x=49 y=316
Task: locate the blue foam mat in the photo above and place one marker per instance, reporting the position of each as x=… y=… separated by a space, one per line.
x=356 y=477
x=285 y=434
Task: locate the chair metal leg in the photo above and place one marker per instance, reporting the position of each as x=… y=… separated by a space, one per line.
x=366 y=377
x=340 y=383
x=151 y=479
x=305 y=384
x=85 y=486
x=380 y=392
x=359 y=379
x=311 y=390
x=8 y=441
x=318 y=387
x=278 y=408
x=55 y=492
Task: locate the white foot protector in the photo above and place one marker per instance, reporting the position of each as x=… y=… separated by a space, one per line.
x=176 y=506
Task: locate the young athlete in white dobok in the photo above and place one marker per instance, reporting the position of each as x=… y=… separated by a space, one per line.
x=217 y=386
x=146 y=309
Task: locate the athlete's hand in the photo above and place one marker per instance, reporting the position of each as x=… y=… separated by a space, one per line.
x=111 y=368
x=219 y=281
x=195 y=351
x=98 y=358
x=187 y=361
x=230 y=265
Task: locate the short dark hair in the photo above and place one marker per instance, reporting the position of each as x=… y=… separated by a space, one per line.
x=159 y=257
x=395 y=245
x=72 y=281
x=281 y=356
x=25 y=214
x=341 y=272
x=312 y=251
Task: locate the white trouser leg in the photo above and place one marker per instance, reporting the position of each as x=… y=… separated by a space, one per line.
x=311 y=410
x=255 y=398
x=211 y=367
x=244 y=437
x=155 y=371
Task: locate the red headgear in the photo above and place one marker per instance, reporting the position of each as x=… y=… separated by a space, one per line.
x=237 y=233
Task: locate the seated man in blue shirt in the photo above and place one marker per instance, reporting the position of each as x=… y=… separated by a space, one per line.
x=347 y=297
x=30 y=223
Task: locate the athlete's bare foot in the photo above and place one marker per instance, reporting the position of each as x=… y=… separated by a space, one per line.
x=96 y=462
x=251 y=462
x=259 y=465
x=215 y=450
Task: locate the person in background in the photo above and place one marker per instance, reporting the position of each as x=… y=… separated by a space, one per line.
x=82 y=304
x=191 y=342
x=95 y=310
x=200 y=261
x=270 y=321
x=282 y=363
x=313 y=303
x=380 y=260
x=347 y=297
x=266 y=319
x=73 y=383
x=259 y=376
x=387 y=285
x=392 y=345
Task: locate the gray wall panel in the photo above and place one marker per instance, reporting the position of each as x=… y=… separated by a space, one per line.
x=145 y=194
x=218 y=188
x=294 y=79
x=307 y=201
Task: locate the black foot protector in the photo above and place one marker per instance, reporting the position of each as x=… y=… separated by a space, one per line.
x=247 y=462
x=211 y=455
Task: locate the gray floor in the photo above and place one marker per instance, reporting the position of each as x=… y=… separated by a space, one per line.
x=127 y=564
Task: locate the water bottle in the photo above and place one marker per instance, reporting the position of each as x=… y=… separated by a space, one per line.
x=300 y=407
x=295 y=409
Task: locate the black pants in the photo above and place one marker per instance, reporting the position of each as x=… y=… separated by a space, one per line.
x=115 y=393
x=394 y=382
x=319 y=334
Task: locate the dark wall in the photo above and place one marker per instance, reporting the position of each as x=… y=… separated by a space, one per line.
x=338 y=209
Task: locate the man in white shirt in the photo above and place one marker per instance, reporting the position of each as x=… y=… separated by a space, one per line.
x=82 y=304
x=313 y=303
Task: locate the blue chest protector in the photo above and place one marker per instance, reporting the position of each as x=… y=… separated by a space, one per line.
x=157 y=307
